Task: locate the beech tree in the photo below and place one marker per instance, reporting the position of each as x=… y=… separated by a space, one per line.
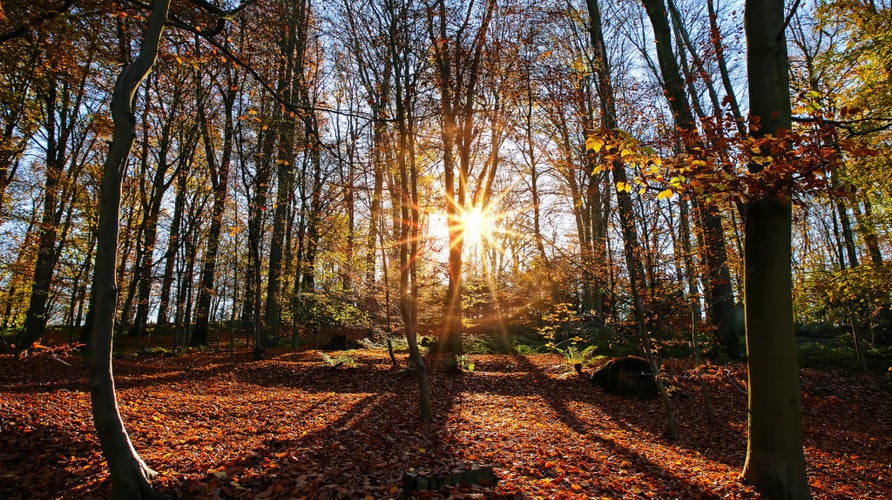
x=631 y=242
x=130 y=474
x=775 y=462
x=458 y=48
x=721 y=296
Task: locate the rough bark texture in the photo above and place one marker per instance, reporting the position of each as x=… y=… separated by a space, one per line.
x=775 y=463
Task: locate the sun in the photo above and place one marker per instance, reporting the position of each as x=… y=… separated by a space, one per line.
x=478 y=225
x=474 y=225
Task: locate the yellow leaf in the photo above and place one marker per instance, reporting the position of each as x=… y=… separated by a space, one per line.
x=666 y=193
x=594 y=143
x=623 y=186
x=676 y=181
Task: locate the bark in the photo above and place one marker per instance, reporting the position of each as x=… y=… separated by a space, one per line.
x=129 y=474
x=718 y=277
x=173 y=243
x=848 y=237
x=631 y=243
x=293 y=45
x=867 y=227
x=400 y=53
x=775 y=462
x=256 y=208
x=220 y=181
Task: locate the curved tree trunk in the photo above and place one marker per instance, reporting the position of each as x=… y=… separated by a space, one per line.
x=130 y=475
x=775 y=462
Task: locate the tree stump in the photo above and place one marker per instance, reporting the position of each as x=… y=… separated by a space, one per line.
x=629 y=376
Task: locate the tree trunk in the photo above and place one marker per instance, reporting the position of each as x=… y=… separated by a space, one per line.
x=867 y=227
x=292 y=44
x=129 y=474
x=715 y=252
x=631 y=244
x=775 y=462
x=220 y=181
x=47 y=252
x=173 y=244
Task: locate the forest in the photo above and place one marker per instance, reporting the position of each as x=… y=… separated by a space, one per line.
x=445 y=249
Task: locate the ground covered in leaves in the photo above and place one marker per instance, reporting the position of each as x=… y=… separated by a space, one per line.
x=219 y=426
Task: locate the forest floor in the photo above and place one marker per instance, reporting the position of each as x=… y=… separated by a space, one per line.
x=216 y=426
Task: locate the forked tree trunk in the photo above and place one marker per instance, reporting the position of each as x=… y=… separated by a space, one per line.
x=220 y=182
x=775 y=463
x=129 y=474
x=400 y=54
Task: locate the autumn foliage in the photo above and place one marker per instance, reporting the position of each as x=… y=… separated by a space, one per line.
x=216 y=426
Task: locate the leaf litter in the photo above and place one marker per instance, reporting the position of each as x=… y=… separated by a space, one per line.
x=216 y=426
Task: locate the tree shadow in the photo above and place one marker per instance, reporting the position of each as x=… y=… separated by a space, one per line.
x=560 y=396
x=364 y=450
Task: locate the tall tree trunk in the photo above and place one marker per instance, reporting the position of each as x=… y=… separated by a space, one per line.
x=47 y=251
x=409 y=210
x=848 y=237
x=220 y=181
x=775 y=462
x=256 y=208
x=631 y=244
x=173 y=244
x=867 y=227
x=457 y=69
x=130 y=475
x=293 y=45
x=717 y=274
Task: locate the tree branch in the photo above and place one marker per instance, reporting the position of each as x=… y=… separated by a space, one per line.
x=25 y=28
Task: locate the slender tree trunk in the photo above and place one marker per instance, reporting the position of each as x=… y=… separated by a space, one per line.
x=631 y=243
x=775 y=462
x=130 y=475
x=293 y=46
x=867 y=228
x=220 y=181
x=173 y=244
x=47 y=253
x=717 y=274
